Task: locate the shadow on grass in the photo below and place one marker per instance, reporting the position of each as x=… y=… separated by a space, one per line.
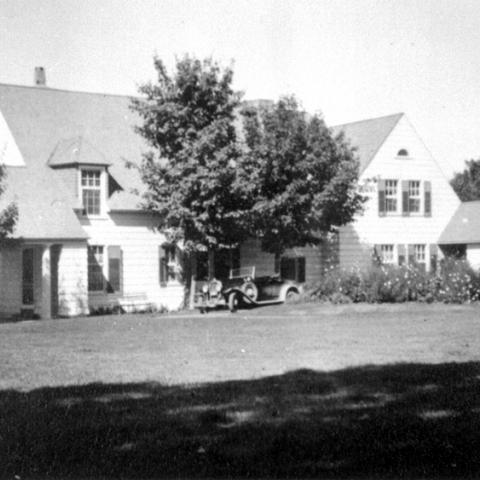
x=401 y=420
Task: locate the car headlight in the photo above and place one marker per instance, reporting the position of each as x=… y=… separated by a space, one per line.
x=215 y=287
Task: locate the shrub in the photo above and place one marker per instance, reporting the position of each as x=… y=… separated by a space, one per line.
x=455 y=283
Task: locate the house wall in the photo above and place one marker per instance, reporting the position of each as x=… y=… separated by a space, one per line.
x=473 y=255
x=316 y=258
x=251 y=255
x=358 y=238
x=72 y=279
x=140 y=243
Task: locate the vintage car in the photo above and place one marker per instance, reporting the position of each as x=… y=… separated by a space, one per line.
x=243 y=289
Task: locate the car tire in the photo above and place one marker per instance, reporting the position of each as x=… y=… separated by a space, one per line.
x=233 y=302
x=292 y=296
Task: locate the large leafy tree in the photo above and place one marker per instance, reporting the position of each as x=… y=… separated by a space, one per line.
x=9 y=214
x=303 y=181
x=467 y=183
x=191 y=168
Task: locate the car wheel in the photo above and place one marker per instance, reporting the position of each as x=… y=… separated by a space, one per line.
x=292 y=296
x=250 y=290
x=233 y=302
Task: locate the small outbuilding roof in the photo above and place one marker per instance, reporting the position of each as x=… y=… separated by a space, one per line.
x=464 y=227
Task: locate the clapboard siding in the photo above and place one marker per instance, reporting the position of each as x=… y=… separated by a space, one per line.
x=473 y=255
x=317 y=258
x=139 y=241
x=368 y=229
x=72 y=279
x=251 y=254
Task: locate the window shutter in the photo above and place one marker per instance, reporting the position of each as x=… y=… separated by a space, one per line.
x=433 y=257
x=162 y=265
x=428 y=198
x=287 y=268
x=377 y=254
x=276 y=263
x=405 y=198
x=411 y=255
x=381 y=198
x=401 y=254
x=115 y=268
x=301 y=269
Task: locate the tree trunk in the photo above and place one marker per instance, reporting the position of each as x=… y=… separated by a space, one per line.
x=211 y=264
x=193 y=277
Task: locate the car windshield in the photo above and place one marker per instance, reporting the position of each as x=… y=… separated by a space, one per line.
x=242 y=272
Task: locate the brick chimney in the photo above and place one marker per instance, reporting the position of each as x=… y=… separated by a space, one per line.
x=40 y=77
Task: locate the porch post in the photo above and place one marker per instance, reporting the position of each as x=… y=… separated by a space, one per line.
x=46 y=306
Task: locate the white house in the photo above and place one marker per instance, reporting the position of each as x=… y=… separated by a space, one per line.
x=82 y=239
x=83 y=242
x=409 y=204
x=410 y=201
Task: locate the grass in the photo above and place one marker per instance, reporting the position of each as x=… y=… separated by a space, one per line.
x=297 y=391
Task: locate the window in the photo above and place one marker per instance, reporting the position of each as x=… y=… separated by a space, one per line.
x=402 y=153
x=105 y=269
x=414 y=196
x=419 y=253
x=293 y=268
x=95 y=269
x=391 y=195
x=169 y=266
x=386 y=253
x=91 y=191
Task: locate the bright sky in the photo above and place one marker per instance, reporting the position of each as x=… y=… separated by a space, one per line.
x=348 y=59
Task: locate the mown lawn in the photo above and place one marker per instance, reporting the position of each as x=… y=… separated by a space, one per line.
x=296 y=391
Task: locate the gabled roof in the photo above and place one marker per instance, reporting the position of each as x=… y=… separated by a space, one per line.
x=367 y=136
x=464 y=226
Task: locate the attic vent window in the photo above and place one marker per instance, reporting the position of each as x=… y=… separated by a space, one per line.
x=402 y=153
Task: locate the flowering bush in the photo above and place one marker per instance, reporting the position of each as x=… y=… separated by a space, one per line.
x=456 y=282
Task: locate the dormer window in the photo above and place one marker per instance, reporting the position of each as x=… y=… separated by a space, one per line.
x=91 y=184
x=402 y=153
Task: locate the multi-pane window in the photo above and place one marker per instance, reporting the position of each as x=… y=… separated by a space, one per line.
x=169 y=265
x=95 y=268
x=391 y=195
x=419 y=253
x=386 y=253
x=414 y=196
x=91 y=191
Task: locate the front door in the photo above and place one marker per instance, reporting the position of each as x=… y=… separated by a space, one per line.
x=28 y=289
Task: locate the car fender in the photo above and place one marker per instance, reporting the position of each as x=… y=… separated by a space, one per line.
x=286 y=288
x=245 y=298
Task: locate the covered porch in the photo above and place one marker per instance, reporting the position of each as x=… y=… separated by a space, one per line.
x=42 y=280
